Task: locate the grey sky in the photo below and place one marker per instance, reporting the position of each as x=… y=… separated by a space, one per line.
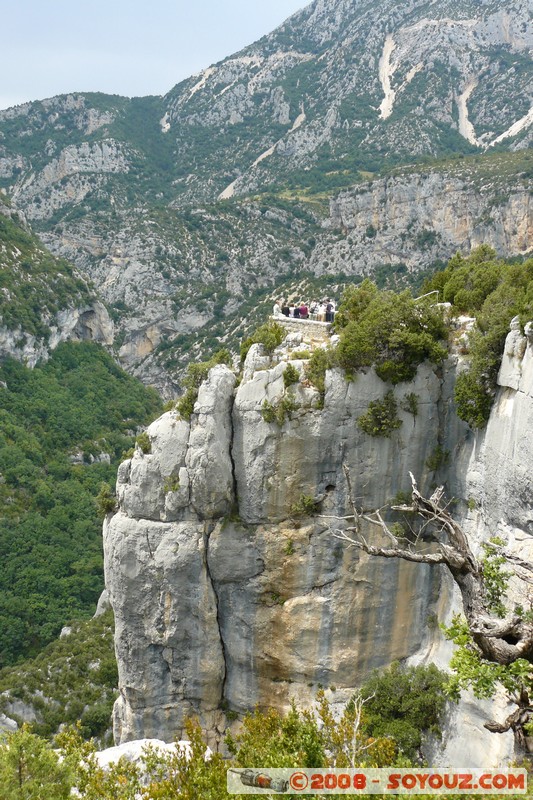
x=132 y=48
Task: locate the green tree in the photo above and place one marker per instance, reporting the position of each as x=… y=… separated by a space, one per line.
x=271 y=739
x=494 y=291
x=495 y=641
x=405 y=703
x=388 y=330
x=31 y=770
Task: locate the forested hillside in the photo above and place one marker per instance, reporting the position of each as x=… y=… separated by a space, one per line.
x=64 y=426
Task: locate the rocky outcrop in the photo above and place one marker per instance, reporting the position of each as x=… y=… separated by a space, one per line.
x=228 y=586
x=89 y=323
x=419 y=219
x=492 y=472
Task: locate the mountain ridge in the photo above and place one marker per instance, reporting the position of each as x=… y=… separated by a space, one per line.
x=341 y=94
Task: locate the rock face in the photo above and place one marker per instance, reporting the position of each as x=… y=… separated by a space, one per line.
x=416 y=219
x=228 y=586
x=44 y=302
x=89 y=323
x=493 y=472
x=227 y=589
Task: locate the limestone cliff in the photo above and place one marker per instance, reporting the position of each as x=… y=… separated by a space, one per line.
x=226 y=591
x=227 y=594
x=419 y=218
x=344 y=92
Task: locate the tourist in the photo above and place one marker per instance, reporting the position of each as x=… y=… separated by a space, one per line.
x=277 y=309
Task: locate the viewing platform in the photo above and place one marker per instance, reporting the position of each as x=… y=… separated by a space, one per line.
x=311 y=330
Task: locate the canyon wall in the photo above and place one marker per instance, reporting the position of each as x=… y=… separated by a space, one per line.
x=228 y=588
x=228 y=585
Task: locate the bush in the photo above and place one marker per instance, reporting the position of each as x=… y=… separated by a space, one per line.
x=106 y=502
x=410 y=403
x=405 y=703
x=494 y=291
x=306 y=506
x=290 y=375
x=268 y=412
x=439 y=458
x=280 y=411
x=315 y=370
x=270 y=335
x=388 y=330
x=196 y=374
x=185 y=405
x=381 y=419
x=143 y=440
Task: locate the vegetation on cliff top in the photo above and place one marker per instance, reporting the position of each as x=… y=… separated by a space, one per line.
x=391 y=331
x=381 y=328
x=493 y=290
x=63 y=428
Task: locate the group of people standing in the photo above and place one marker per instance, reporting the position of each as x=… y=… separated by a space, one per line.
x=323 y=311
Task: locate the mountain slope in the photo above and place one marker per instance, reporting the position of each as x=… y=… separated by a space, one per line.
x=343 y=93
x=43 y=299
x=347 y=85
x=63 y=428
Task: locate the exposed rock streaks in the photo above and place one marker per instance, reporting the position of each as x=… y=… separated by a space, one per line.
x=223 y=597
x=466 y=128
x=386 y=71
x=516 y=128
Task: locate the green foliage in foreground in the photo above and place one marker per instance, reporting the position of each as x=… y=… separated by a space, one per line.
x=379 y=727
x=403 y=703
x=50 y=532
x=73 y=679
x=30 y=770
x=388 y=330
x=494 y=291
x=472 y=671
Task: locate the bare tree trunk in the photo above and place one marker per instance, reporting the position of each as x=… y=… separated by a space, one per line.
x=502 y=641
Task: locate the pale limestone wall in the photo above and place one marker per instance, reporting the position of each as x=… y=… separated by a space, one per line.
x=493 y=472
x=246 y=604
x=220 y=595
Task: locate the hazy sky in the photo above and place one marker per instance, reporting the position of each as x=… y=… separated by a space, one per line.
x=131 y=48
